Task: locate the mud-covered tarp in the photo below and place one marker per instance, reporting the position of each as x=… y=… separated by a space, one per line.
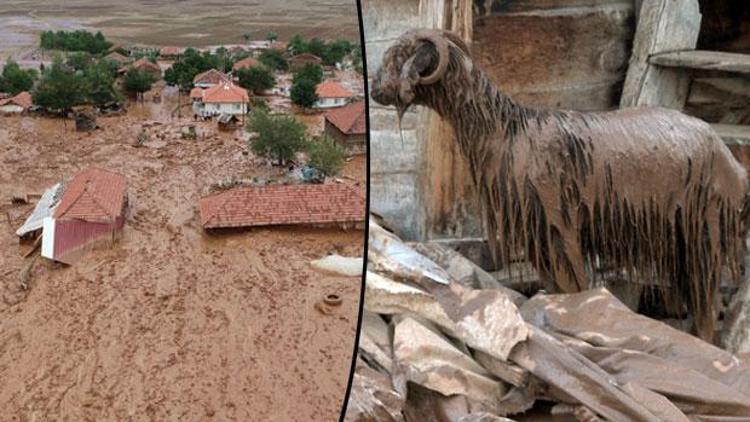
x=469 y=350
x=666 y=372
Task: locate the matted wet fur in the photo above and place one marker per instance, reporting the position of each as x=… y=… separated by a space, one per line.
x=650 y=192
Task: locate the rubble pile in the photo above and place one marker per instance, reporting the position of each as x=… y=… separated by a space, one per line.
x=443 y=340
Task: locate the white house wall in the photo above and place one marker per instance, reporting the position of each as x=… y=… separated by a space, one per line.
x=48 y=238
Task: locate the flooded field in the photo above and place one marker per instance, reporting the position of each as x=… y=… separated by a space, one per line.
x=175 y=22
x=170 y=323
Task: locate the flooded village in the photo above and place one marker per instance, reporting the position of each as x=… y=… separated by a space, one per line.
x=166 y=212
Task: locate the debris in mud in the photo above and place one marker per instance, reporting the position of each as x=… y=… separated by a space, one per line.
x=441 y=341
x=86 y=121
x=342 y=265
x=330 y=303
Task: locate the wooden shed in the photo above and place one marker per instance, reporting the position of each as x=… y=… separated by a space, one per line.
x=90 y=211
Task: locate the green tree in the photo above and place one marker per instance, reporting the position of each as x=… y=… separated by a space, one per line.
x=316 y=46
x=138 y=81
x=247 y=36
x=335 y=52
x=279 y=137
x=15 y=80
x=79 y=60
x=272 y=36
x=256 y=78
x=310 y=71
x=325 y=155
x=74 y=41
x=303 y=93
x=100 y=89
x=273 y=59
x=60 y=89
x=297 y=45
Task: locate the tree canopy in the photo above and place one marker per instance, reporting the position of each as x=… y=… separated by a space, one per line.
x=325 y=155
x=138 y=81
x=100 y=84
x=273 y=59
x=15 y=80
x=256 y=78
x=331 y=53
x=79 y=40
x=60 y=89
x=310 y=71
x=279 y=137
x=303 y=93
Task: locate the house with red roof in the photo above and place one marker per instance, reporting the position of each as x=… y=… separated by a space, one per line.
x=281 y=205
x=245 y=63
x=225 y=98
x=144 y=65
x=210 y=78
x=171 y=52
x=118 y=58
x=91 y=211
x=16 y=104
x=348 y=126
x=332 y=94
x=300 y=60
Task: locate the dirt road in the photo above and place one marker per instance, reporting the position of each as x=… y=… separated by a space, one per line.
x=171 y=323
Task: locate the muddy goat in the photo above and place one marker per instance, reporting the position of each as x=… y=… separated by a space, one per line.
x=650 y=193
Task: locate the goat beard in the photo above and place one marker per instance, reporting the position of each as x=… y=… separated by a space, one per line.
x=401 y=110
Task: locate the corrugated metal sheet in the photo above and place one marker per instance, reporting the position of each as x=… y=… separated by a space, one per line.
x=71 y=236
x=44 y=208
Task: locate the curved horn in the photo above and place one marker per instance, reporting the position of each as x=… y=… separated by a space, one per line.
x=443 y=55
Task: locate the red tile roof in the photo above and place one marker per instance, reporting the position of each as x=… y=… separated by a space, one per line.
x=349 y=119
x=332 y=89
x=146 y=65
x=211 y=76
x=23 y=99
x=283 y=205
x=245 y=63
x=306 y=58
x=196 y=92
x=117 y=57
x=94 y=194
x=225 y=93
x=170 y=51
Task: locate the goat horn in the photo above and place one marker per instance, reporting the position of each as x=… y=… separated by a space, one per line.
x=443 y=54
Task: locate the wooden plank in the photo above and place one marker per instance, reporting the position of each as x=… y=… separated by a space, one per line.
x=701 y=59
x=663 y=26
x=450 y=208
x=733 y=134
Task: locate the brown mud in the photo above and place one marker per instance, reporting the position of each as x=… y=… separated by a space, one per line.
x=170 y=323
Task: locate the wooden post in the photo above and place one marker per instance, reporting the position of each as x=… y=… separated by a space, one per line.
x=663 y=26
x=448 y=199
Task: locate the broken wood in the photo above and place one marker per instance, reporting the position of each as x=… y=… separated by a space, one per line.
x=701 y=59
x=663 y=26
x=34 y=247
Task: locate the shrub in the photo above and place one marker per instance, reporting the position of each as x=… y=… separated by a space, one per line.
x=279 y=137
x=256 y=78
x=325 y=155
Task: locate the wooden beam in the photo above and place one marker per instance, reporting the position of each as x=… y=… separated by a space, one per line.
x=663 y=26
x=701 y=59
x=733 y=134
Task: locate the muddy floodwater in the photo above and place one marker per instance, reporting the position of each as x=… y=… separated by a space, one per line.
x=170 y=323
